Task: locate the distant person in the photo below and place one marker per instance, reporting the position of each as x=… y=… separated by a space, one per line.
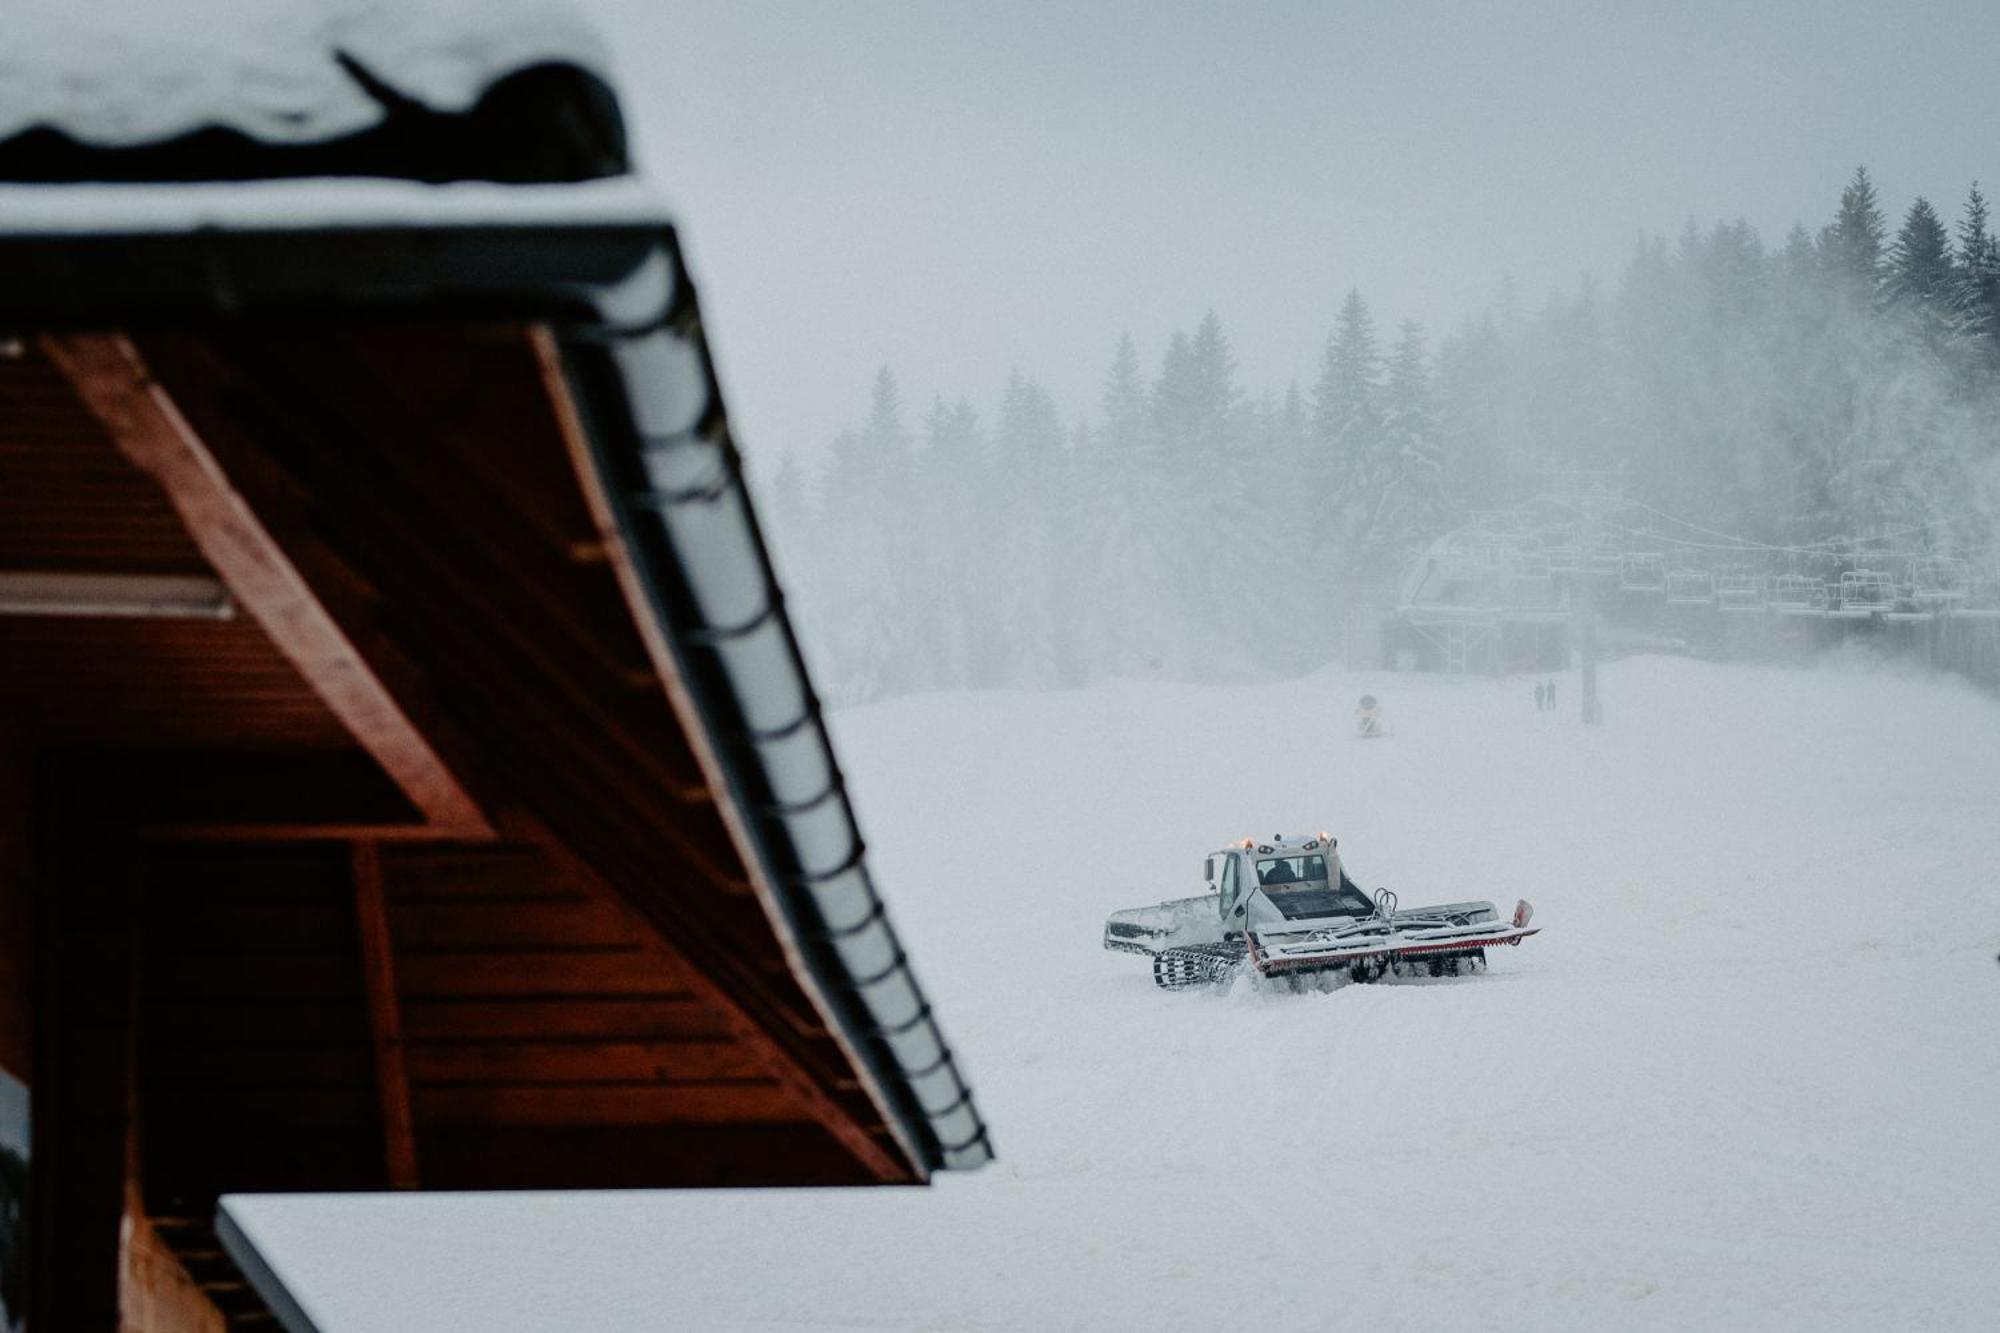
x=1541 y=696
x=1552 y=695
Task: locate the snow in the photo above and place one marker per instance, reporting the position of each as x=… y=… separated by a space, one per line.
x=137 y=71
x=1744 y=1079
x=344 y=202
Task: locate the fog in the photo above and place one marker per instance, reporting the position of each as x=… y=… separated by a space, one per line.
x=1122 y=385
x=1822 y=410
x=955 y=189
x=1063 y=344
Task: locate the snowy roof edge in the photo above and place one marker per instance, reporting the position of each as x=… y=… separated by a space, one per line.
x=316 y=203
x=275 y=71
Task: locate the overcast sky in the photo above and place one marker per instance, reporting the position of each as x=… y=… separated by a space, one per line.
x=953 y=189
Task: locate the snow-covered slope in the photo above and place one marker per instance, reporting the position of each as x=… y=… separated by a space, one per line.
x=1746 y=1078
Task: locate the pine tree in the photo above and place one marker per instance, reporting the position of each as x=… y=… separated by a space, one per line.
x=1978 y=271
x=1347 y=415
x=1347 y=421
x=884 y=435
x=874 y=648
x=1851 y=245
x=1194 y=404
x=1200 y=423
x=1036 y=511
x=1921 y=281
x=1126 y=440
x=1213 y=396
x=1127 y=546
x=1030 y=434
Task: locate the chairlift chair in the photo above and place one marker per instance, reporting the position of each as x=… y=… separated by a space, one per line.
x=1940 y=579
x=1690 y=587
x=1866 y=591
x=1528 y=564
x=1797 y=594
x=1982 y=597
x=1643 y=571
x=1737 y=589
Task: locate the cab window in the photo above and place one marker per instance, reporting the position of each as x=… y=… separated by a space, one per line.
x=1291 y=869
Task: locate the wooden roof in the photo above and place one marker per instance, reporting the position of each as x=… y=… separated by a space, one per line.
x=425 y=784
x=587 y=989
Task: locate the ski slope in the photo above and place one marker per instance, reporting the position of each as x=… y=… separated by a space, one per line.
x=1747 y=1077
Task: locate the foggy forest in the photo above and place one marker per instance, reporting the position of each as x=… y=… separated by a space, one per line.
x=1834 y=388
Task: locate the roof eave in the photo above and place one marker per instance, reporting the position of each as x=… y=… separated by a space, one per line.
x=615 y=293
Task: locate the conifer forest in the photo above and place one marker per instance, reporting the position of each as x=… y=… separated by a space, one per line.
x=1833 y=389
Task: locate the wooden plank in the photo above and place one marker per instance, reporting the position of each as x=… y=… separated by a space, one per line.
x=86 y=969
x=746 y=1102
x=158 y=1292
x=674 y=1015
x=378 y=972
x=798 y=1152
x=480 y=872
x=237 y=834
x=205 y=1068
x=430 y=926
x=624 y=971
x=627 y=1062
x=111 y=378
x=17 y=913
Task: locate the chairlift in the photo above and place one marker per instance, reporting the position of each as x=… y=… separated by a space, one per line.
x=1690 y=587
x=1527 y=564
x=1940 y=579
x=1982 y=597
x=1867 y=590
x=1738 y=589
x=1457 y=567
x=1604 y=558
x=1643 y=571
x=1797 y=594
x=1530 y=583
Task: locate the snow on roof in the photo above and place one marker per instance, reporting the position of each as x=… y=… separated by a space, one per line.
x=279 y=205
x=128 y=72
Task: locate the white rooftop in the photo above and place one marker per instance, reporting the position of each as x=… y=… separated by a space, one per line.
x=124 y=72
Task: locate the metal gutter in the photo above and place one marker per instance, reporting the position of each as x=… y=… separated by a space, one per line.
x=646 y=387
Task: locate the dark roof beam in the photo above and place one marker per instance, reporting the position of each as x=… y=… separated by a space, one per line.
x=113 y=381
